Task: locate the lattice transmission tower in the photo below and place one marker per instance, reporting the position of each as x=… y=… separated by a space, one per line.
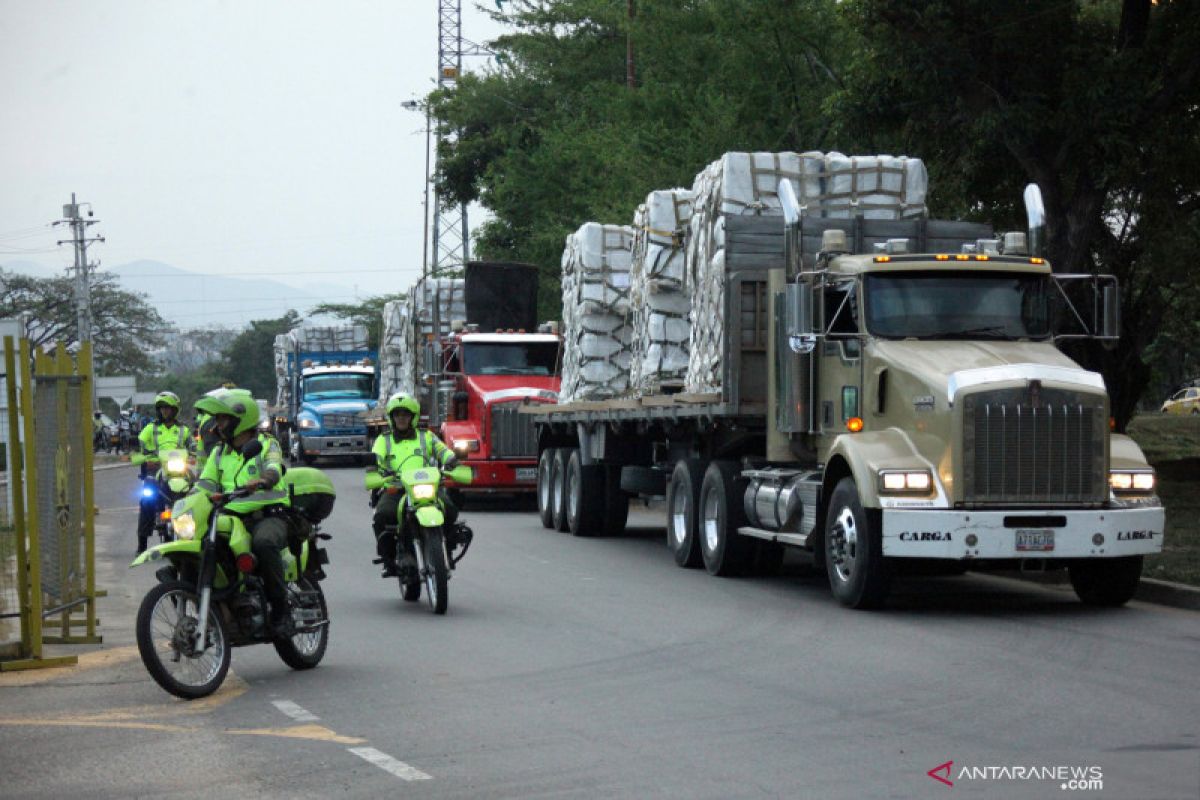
x=451 y=243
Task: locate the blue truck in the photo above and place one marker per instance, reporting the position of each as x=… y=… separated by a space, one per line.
x=327 y=379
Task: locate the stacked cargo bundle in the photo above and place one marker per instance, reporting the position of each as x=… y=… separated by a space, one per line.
x=283 y=389
x=826 y=185
x=595 y=292
x=396 y=368
x=429 y=298
x=329 y=339
x=659 y=303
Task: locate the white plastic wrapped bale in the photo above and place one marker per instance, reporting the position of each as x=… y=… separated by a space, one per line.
x=335 y=338
x=283 y=390
x=827 y=185
x=658 y=304
x=396 y=367
x=448 y=294
x=595 y=285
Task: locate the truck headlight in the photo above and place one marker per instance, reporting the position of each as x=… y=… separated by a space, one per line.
x=424 y=491
x=306 y=423
x=917 y=481
x=184 y=525
x=1129 y=481
x=464 y=446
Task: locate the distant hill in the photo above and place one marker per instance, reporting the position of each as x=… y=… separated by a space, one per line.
x=191 y=300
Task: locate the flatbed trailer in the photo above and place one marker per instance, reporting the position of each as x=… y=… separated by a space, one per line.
x=873 y=452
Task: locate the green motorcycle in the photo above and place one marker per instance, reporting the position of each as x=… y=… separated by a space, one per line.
x=169 y=484
x=209 y=600
x=421 y=530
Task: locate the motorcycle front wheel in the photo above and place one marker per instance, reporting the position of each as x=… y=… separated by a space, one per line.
x=437 y=574
x=307 y=647
x=166 y=626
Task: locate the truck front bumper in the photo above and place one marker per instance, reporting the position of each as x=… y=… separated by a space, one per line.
x=1038 y=534
x=500 y=476
x=354 y=444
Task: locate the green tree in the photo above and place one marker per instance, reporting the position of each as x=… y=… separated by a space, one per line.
x=250 y=358
x=554 y=136
x=1096 y=102
x=125 y=328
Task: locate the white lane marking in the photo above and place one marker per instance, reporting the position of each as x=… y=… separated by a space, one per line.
x=386 y=762
x=294 y=711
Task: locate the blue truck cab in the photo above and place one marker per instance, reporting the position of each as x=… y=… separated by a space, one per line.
x=332 y=393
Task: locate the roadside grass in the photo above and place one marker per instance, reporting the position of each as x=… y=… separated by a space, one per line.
x=1172 y=445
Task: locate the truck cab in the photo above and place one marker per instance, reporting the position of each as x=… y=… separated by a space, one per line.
x=489 y=377
x=332 y=400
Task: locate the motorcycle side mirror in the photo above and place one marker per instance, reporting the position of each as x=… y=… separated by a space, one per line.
x=251 y=448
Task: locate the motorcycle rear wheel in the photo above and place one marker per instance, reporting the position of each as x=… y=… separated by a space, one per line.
x=305 y=650
x=164 y=621
x=437 y=573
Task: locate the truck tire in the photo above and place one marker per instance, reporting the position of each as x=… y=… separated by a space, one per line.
x=723 y=549
x=558 y=487
x=585 y=496
x=545 y=504
x=616 y=502
x=1106 y=581
x=683 y=518
x=858 y=574
x=297 y=454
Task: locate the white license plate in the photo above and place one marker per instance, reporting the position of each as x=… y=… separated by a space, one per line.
x=1034 y=541
x=526 y=473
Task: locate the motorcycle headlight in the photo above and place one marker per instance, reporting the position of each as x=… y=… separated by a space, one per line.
x=185 y=526
x=176 y=466
x=424 y=491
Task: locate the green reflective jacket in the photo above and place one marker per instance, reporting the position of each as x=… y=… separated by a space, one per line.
x=160 y=436
x=227 y=470
x=391 y=454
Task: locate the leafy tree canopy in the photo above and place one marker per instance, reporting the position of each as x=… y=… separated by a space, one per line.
x=125 y=328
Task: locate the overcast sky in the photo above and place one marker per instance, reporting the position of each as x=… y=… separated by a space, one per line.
x=247 y=137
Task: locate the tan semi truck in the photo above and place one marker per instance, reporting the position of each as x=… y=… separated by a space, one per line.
x=892 y=400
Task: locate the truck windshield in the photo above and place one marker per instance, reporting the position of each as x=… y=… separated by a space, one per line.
x=503 y=358
x=346 y=385
x=938 y=305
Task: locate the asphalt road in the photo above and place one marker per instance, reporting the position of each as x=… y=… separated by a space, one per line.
x=597 y=668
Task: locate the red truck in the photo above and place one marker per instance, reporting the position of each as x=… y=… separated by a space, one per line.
x=473 y=375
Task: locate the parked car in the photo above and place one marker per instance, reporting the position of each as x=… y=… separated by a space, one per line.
x=1185 y=401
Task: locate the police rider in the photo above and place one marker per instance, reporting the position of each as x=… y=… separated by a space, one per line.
x=165 y=433
x=235 y=416
x=392 y=449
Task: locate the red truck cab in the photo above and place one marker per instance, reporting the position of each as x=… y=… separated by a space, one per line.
x=494 y=375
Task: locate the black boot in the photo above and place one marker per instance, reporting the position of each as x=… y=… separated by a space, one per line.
x=280 y=624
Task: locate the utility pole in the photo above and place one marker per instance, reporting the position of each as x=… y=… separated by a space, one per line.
x=83 y=294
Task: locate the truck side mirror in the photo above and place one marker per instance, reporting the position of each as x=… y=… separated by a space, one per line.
x=798 y=303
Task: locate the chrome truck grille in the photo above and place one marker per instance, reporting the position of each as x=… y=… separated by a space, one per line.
x=1034 y=446
x=513 y=434
x=341 y=421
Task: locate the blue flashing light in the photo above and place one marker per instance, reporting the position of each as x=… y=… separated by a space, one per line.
x=147 y=491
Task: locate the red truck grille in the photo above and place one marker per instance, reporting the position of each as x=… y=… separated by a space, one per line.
x=513 y=434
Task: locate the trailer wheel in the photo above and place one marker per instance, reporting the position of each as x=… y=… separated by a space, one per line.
x=545 y=477
x=858 y=575
x=1106 y=581
x=585 y=496
x=724 y=550
x=558 y=487
x=683 y=518
x=616 y=502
